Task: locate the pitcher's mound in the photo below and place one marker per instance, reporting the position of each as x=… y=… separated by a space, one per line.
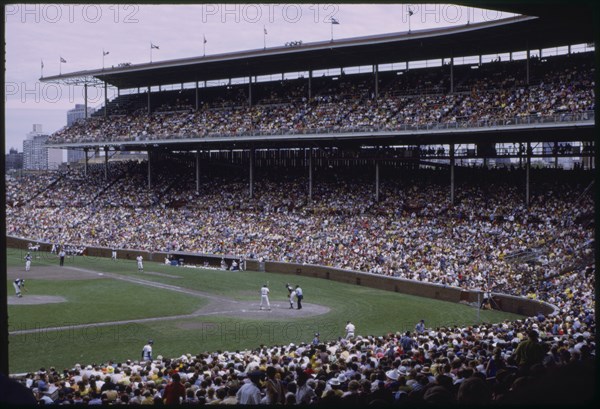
x=35 y=299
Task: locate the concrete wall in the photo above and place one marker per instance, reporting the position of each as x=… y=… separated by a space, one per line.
x=509 y=303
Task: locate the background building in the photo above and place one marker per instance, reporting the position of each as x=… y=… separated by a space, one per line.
x=74 y=115
x=14 y=160
x=36 y=155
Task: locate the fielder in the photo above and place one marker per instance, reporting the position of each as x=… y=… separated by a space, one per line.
x=264 y=297
x=28 y=262
x=350 y=330
x=140 y=263
x=147 y=351
x=19 y=284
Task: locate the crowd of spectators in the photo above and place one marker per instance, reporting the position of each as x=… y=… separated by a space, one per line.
x=563 y=92
x=412 y=232
x=541 y=360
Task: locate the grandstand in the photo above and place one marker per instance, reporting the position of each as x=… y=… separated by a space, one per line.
x=402 y=161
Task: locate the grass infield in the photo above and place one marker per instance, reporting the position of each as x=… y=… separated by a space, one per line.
x=111 y=310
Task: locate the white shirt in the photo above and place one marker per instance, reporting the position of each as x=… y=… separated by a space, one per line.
x=147 y=352
x=264 y=291
x=248 y=394
x=350 y=328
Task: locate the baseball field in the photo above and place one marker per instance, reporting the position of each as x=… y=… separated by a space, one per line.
x=96 y=310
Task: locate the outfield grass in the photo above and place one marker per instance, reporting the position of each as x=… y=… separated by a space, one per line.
x=374 y=312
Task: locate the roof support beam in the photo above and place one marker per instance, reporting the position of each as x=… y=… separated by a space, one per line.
x=452 y=160
x=105 y=99
x=249 y=91
x=376 y=71
x=452 y=74
x=527 y=68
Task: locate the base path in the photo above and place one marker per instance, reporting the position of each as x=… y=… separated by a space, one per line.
x=35 y=299
x=217 y=306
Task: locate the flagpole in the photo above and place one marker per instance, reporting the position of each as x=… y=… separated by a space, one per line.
x=42 y=68
x=203 y=45
x=333 y=21
x=332 y=30
x=264 y=38
x=103 y=59
x=151 y=52
x=60 y=66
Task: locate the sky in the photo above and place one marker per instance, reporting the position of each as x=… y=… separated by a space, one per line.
x=39 y=35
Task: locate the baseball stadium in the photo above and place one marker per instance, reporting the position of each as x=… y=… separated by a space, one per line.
x=404 y=218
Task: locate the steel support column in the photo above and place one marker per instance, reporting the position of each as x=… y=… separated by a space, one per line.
x=452 y=159
x=149 y=169
x=310 y=175
x=377 y=181
x=106 y=163
x=527 y=168
x=105 y=99
x=197 y=171
x=251 y=190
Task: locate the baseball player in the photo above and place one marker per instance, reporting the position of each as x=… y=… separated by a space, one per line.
x=28 y=262
x=350 y=330
x=264 y=297
x=19 y=284
x=147 y=351
x=292 y=296
x=140 y=263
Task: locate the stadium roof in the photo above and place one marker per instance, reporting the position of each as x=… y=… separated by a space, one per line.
x=550 y=29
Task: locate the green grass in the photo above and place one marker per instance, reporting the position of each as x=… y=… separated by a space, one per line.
x=374 y=312
x=93 y=301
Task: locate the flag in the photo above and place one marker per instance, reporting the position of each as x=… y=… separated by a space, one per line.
x=42 y=64
x=153 y=46
x=334 y=21
x=265 y=30
x=105 y=52
x=410 y=13
x=205 y=39
x=62 y=60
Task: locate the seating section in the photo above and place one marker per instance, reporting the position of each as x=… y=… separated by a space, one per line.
x=560 y=89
